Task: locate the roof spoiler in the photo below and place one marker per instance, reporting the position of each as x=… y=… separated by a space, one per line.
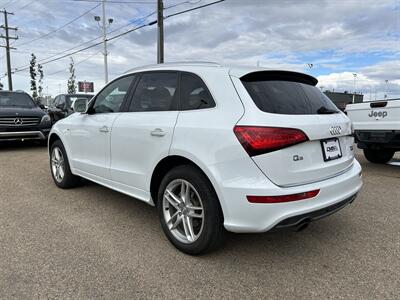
x=280 y=75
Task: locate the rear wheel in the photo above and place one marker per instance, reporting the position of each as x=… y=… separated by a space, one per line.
x=378 y=156
x=189 y=211
x=60 y=169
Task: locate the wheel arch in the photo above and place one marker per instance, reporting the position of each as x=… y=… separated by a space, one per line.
x=168 y=163
x=52 y=138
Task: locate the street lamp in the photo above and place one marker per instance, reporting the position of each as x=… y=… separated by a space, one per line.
x=354 y=94
x=386 y=88
x=104 y=26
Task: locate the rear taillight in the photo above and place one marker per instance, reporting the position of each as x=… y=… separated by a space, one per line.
x=259 y=140
x=283 y=198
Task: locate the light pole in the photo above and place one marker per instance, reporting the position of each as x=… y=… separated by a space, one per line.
x=160 y=32
x=386 y=87
x=354 y=94
x=104 y=27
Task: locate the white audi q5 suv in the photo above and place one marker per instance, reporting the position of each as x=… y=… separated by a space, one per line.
x=214 y=147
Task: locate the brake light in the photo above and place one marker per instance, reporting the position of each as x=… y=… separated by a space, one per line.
x=282 y=198
x=259 y=140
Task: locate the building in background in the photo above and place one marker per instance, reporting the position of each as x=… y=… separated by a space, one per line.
x=342 y=99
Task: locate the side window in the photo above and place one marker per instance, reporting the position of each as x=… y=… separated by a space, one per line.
x=194 y=93
x=110 y=99
x=55 y=101
x=61 y=101
x=156 y=92
x=68 y=102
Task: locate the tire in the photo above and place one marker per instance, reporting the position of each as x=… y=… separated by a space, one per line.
x=378 y=156
x=63 y=178
x=208 y=232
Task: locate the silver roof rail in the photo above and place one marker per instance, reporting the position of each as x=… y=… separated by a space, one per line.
x=178 y=63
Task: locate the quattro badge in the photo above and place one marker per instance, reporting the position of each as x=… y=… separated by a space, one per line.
x=335 y=130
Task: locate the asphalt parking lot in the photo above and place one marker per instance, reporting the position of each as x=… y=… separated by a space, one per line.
x=91 y=242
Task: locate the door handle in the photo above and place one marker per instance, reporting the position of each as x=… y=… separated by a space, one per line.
x=158 y=132
x=104 y=129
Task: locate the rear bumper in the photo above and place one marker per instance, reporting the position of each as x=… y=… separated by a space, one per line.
x=23 y=135
x=315 y=215
x=242 y=216
x=378 y=138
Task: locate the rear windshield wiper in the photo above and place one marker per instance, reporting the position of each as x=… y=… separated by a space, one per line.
x=325 y=111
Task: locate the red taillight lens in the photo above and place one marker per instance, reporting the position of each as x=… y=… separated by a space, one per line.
x=283 y=198
x=258 y=140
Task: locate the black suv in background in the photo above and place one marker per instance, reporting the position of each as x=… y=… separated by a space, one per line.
x=61 y=106
x=21 y=118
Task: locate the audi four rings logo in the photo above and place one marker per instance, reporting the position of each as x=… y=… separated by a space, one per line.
x=18 y=121
x=335 y=130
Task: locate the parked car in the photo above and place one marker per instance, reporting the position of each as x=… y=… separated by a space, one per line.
x=21 y=118
x=62 y=105
x=376 y=128
x=214 y=147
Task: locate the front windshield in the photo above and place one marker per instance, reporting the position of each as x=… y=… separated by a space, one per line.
x=15 y=99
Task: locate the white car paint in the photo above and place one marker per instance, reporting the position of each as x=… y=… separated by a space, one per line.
x=125 y=157
x=365 y=117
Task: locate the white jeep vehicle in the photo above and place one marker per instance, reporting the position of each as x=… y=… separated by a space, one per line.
x=377 y=128
x=215 y=148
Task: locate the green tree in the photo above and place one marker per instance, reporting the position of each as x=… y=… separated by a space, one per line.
x=40 y=81
x=71 y=87
x=32 y=71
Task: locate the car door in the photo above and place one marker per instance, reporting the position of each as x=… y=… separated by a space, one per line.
x=89 y=136
x=142 y=136
x=59 y=111
x=69 y=102
x=52 y=109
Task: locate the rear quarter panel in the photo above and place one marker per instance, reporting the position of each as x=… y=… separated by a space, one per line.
x=206 y=137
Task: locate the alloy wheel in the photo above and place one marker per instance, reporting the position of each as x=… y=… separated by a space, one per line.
x=183 y=211
x=57 y=164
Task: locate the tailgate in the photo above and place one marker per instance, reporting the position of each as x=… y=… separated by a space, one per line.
x=282 y=107
x=308 y=161
x=381 y=115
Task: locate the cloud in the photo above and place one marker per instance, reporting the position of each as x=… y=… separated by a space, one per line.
x=374 y=81
x=277 y=34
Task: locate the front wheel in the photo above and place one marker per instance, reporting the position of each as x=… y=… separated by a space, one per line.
x=189 y=211
x=381 y=156
x=60 y=169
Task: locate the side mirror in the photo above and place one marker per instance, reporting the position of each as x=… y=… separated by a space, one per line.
x=80 y=105
x=42 y=106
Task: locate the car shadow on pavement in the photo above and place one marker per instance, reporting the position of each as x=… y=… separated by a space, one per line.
x=20 y=145
x=279 y=244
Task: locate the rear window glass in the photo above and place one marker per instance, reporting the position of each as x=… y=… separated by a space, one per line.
x=288 y=97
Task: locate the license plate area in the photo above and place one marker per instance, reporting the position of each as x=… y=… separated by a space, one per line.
x=331 y=149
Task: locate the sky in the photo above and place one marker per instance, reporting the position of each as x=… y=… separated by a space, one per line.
x=338 y=37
